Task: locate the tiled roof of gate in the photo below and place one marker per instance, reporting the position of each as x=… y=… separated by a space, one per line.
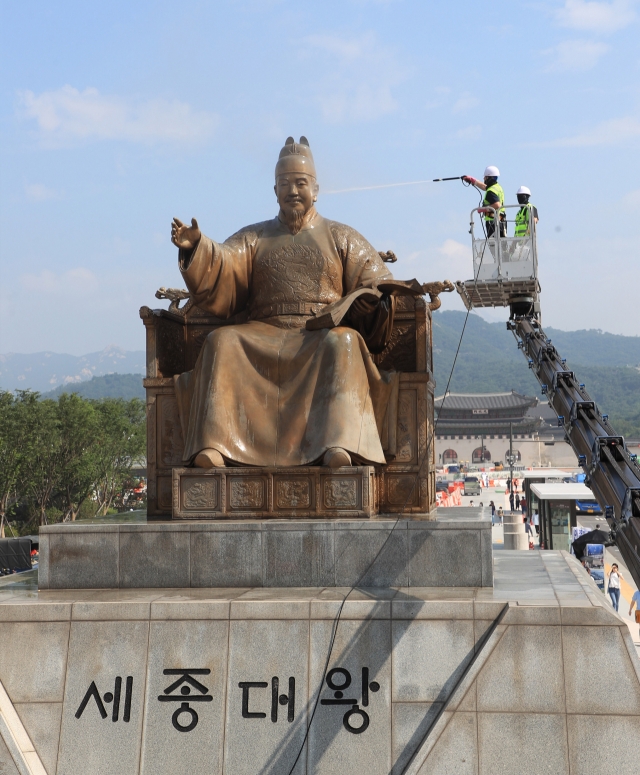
x=485 y=400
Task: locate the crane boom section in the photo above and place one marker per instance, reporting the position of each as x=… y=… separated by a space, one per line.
x=611 y=471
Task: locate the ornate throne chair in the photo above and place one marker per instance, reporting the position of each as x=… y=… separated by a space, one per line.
x=405 y=485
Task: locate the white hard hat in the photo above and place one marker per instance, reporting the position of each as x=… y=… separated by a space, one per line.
x=491 y=172
x=523 y=190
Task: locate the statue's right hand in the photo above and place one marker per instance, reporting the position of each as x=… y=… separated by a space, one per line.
x=185 y=237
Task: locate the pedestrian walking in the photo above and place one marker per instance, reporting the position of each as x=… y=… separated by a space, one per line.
x=493 y=513
x=523 y=506
x=635 y=601
x=536 y=522
x=529 y=532
x=511 y=497
x=614 y=586
x=500 y=514
x=517 y=502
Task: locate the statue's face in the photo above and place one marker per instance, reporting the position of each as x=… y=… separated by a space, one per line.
x=296 y=192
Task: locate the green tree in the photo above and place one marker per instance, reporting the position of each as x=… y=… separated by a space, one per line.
x=40 y=447
x=10 y=453
x=78 y=461
x=122 y=441
x=56 y=456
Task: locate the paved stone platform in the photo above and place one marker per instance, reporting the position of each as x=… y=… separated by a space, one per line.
x=454 y=549
x=536 y=670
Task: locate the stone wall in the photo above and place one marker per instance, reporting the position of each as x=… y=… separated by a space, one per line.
x=452 y=550
x=538 y=674
x=559 y=454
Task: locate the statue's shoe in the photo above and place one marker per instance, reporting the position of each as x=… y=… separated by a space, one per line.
x=208 y=458
x=336 y=457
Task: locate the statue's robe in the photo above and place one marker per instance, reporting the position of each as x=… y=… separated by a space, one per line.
x=267 y=392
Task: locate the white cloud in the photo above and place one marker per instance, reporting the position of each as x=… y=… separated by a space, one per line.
x=596 y=17
x=360 y=75
x=465 y=102
x=67 y=114
x=453 y=261
x=469 y=133
x=38 y=192
x=79 y=280
x=616 y=131
x=575 y=55
x=452 y=249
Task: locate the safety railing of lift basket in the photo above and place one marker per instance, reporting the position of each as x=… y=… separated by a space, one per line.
x=498 y=246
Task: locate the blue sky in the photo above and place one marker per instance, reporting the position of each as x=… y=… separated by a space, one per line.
x=116 y=116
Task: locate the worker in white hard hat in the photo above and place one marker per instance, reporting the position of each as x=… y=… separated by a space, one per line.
x=493 y=199
x=526 y=212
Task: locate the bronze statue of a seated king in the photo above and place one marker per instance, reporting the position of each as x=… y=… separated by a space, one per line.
x=266 y=390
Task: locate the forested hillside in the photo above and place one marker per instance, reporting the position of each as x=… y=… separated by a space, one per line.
x=489 y=360
x=125 y=386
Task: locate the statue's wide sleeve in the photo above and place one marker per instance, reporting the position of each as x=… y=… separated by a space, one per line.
x=362 y=265
x=219 y=275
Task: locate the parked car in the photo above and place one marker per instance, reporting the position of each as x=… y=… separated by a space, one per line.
x=472 y=486
x=442 y=487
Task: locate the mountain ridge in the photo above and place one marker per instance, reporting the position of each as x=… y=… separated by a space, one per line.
x=489 y=361
x=126 y=386
x=46 y=370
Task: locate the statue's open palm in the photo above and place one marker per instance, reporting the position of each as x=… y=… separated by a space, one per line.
x=185 y=237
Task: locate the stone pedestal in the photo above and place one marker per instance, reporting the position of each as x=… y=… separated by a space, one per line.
x=452 y=550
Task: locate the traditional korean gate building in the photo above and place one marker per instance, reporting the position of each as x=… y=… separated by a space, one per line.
x=467 y=422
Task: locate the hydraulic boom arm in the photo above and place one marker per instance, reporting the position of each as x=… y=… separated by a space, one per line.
x=611 y=471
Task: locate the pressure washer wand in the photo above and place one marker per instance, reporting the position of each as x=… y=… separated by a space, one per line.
x=439 y=180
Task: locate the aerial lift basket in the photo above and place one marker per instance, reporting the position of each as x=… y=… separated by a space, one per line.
x=505 y=269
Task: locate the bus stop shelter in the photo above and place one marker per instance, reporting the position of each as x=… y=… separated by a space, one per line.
x=556 y=502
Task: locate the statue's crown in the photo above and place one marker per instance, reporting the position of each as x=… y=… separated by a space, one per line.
x=296 y=157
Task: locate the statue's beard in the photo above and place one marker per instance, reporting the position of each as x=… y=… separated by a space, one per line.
x=294 y=219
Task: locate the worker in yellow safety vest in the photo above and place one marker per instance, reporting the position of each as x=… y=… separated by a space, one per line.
x=526 y=212
x=493 y=199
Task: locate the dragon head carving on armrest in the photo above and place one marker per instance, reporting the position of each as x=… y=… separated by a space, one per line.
x=434 y=290
x=175 y=296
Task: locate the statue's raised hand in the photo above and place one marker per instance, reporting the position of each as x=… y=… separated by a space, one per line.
x=185 y=237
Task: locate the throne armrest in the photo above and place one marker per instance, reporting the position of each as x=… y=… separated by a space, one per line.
x=409 y=349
